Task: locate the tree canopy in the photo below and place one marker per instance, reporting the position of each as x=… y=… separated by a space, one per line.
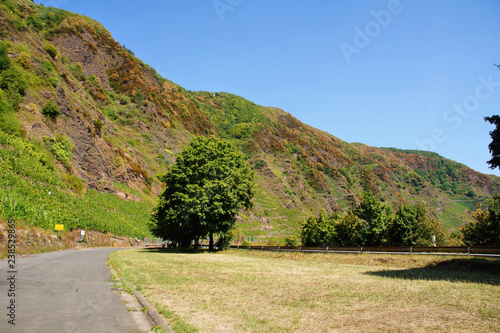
x=494 y=146
x=485 y=231
x=206 y=187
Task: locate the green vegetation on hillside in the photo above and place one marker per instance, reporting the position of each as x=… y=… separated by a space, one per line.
x=438 y=171
x=33 y=192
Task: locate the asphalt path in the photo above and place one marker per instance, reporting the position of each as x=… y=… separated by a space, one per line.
x=64 y=291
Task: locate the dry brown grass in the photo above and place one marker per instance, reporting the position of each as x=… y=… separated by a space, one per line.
x=241 y=291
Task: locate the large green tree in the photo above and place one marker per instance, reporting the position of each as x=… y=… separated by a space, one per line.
x=494 y=146
x=412 y=225
x=485 y=231
x=205 y=189
x=350 y=230
x=318 y=231
x=372 y=211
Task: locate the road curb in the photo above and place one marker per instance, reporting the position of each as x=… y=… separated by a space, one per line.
x=151 y=311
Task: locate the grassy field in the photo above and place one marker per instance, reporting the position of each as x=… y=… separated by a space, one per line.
x=243 y=291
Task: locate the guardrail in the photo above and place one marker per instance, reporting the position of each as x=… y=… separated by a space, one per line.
x=487 y=251
x=153 y=241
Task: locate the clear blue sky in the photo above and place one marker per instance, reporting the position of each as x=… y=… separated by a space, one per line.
x=406 y=74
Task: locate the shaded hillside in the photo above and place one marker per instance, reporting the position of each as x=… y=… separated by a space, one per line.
x=121 y=124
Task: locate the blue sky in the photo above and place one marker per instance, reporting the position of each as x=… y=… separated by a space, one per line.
x=408 y=74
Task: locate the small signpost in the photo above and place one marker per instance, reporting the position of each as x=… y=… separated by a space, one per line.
x=58 y=228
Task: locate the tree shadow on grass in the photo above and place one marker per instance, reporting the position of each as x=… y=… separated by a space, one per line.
x=454 y=270
x=176 y=250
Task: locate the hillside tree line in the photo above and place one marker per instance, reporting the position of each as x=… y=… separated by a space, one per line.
x=373 y=223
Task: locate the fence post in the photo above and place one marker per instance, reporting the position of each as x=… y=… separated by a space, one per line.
x=361 y=250
x=468 y=251
x=279 y=248
x=327 y=249
x=300 y=249
x=411 y=249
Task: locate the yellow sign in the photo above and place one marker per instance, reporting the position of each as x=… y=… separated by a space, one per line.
x=59 y=227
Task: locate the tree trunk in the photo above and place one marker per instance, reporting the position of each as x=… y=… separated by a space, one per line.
x=211 y=242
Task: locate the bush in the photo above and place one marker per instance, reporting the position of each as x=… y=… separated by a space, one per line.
x=350 y=230
x=47 y=65
x=118 y=161
x=413 y=225
x=124 y=100
x=35 y=22
x=24 y=60
x=98 y=126
x=62 y=148
x=471 y=194
x=318 y=231
x=110 y=112
x=14 y=80
x=4 y=58
x=51 y=50
x=77 y=71
x=292 y=241
x=10 y=124
x=75 y=184
x=50 y=110
x=20 y=25
x=139 y=97
x=485 y=231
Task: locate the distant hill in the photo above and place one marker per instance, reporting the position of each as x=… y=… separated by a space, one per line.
x=121 y=124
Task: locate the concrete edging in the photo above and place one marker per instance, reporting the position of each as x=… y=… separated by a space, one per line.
x=153 y=314
x=151 y=311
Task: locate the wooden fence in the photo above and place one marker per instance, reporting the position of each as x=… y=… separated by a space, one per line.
x=490 y=251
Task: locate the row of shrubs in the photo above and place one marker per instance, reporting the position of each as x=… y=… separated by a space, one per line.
x=373 y=223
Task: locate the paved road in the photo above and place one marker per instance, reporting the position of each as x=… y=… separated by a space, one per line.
x=64 y=291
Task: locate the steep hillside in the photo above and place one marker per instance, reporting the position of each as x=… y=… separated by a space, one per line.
x=102 y=121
